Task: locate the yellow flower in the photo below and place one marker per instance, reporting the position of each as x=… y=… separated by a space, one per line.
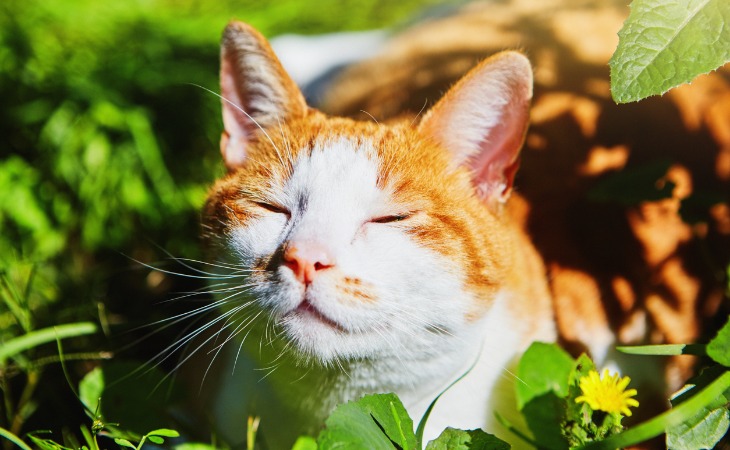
x=607 y=392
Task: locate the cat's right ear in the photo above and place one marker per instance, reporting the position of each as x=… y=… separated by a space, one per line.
x=256 y=91
x=482 y=121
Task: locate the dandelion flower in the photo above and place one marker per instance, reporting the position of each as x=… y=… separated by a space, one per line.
x=607 y=392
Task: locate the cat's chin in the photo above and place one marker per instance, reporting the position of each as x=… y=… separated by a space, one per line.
x=310 y=314
x=316 y=335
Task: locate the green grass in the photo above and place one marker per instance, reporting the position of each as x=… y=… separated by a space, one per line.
x=107 y=153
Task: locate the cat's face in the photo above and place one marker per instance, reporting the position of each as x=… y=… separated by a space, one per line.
x=356 y=240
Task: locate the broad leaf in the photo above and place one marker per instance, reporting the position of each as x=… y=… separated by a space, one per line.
x=545 y=415
x=453 y=439
x=91 y=388
x=703 y=431
x=304 y=443
x=709 y=424
x=663 y=44
x=166 y=432
x=719 y=348
x=543 y=374
x=375 y=421
x=199 y=446
x=124 y=443
x=542 y=369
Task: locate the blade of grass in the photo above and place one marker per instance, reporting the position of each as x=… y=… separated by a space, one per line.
x=422 y=423
x=43 y=336
x=14 y=439
x=665 y=350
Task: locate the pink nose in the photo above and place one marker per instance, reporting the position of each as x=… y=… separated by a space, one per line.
x=307 y=261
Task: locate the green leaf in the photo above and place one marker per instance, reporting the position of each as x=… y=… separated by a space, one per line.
x=663 y=44
x=709 y=424
x=702 y=431
x=166 y=432
x=392 y=417
x=375 y=421
x=719 y=348
x=124 y=443
x=545 y=415
x=155 y=439
x=542 y=369
x=543 y=374
x=91 y=388
x=42 y=444
x=199 y=446
x=453 y=439
x=303 y=443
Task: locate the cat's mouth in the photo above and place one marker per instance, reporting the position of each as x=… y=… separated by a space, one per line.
x=308 y=311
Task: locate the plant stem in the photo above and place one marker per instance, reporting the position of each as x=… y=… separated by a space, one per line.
x=25 y=397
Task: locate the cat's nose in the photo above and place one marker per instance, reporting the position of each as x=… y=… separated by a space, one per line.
x=307 y=261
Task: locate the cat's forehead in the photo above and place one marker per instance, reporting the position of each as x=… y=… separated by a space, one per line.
x=335 y=155
x=333 y=168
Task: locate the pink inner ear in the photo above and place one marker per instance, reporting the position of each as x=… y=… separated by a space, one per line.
x=495 y=165
x=482 y=120
x=234 y=139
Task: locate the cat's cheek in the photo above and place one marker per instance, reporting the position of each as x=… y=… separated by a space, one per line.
x=258 y=240
x=411 y=281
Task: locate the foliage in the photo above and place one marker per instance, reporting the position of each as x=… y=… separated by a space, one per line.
x=698 y=418
x=108 y=149
x=664 y=44
x=375 y=421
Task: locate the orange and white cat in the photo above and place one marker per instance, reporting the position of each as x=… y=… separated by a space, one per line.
x=378 y=258
x=381 y=257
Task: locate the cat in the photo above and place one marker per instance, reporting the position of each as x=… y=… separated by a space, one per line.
x=378 y=258
x=396 y=254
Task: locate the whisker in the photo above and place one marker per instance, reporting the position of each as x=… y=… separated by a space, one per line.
x=240 y=110
x=185 y=275
x=370 y=115
x=425 y=102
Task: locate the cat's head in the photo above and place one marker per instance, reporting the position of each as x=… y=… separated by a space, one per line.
x=359 y=239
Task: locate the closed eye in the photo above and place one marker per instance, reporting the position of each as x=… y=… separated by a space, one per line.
x=273 y=208
x=391 y=218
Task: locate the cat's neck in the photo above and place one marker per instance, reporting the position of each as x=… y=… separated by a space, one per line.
x=417 y=377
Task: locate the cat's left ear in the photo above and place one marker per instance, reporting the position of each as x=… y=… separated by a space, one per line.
x=257 y=93
x=483 y=119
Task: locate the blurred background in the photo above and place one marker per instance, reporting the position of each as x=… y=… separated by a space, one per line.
x=107 y=146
